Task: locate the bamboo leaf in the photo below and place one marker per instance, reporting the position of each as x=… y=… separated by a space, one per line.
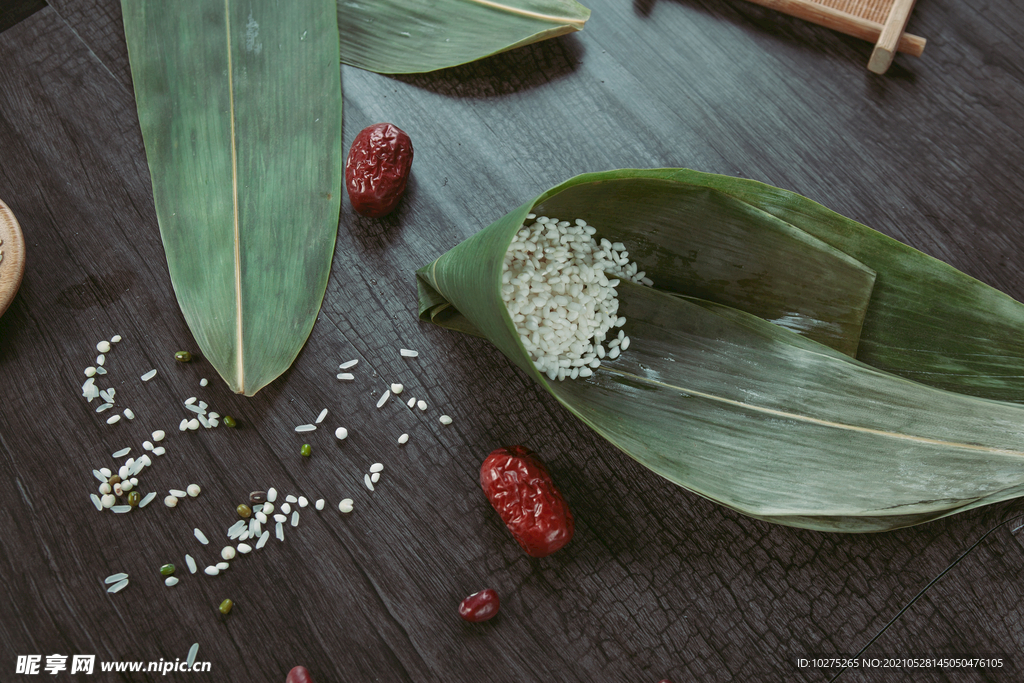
x=240 y=108
x=414 y=36
x=742 y=410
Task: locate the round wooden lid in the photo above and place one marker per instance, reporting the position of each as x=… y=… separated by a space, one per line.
x=12 y=256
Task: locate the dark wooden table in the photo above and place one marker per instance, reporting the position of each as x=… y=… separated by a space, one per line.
x=658 y=583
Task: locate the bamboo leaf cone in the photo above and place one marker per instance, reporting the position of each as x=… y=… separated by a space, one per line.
x=783 y=426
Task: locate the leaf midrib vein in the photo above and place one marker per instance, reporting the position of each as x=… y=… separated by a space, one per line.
x=817 y=421
x=533 y=15
x=239 y=361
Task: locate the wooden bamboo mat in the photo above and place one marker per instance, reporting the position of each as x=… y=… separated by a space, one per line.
x=879 y=21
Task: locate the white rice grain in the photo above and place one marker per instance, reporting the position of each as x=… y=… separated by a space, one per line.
x=384 y=398
x=116 y=338
x=375 y=477
x=158 y=435
x=348 y=364
x=104 y=406
x=211 y=571
x=346 y=505
x=445 y=420
x=291 y=499
x=178 y=493
x=244 y=548
x=295 y=518
x=319 y=504
x=397 y=389
x=121 y=453
x=376 y=467
x=279 y=531
x=422 y=405
x=408 y=353
x=271 y=495
x=103 y=346
x=412 y=402
x=147 y=499
x=200 y=536
x=191 y=564
x=303 y=502
x=203 y=382
x=263 y=540
x=114 y=578
x=321 y=416
x=171 y=581
x=305 y=428
x=118 y=586
x=148 y=376
x=96 y=501
x=403 y=439
x=129 y=414
x=121 y=509
x=366 y=480
x=113 y=419
x=346 y=376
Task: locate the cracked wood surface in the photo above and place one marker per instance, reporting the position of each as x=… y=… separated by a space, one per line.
x=657 y=582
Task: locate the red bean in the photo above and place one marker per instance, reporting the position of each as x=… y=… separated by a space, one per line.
x=299 y=674
x=377 y=169
x=480 y=606
x=520 y=488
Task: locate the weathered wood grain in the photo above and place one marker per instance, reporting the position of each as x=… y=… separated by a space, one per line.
x=658 y=582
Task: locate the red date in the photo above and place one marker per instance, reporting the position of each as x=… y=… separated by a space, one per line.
x=299 y=674
x=480 y=606
x=377 y=169
x=520 y=488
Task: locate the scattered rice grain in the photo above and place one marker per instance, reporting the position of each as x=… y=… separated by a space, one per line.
x=366 y=480
x=384 y=398
x=445 y=420
x=422 y=405
x=404 y=438
x=348 y=364
x=200 y=536
x=320 y=504
x=397 y=389
x=279 y=531
x=113 y=419
x=171 y=581
x=321 y=416
x=305 y=428
x=203 y=382
x=114 y=578
x=263 y=540
x=103 y=346
x=121 y=453
x=303 y=502
x=295 y=518
x=147 y=499
x=408 y=353
x=346 y=505
x=191 y=564
x=211 y=570
x=148 y=376
x=347 y=376
x=376 y=467
x=118 y=586
x=375 y=477
x=412 y=402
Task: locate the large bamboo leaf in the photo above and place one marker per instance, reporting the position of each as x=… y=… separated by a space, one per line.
x=414 y=36
x=751 y=414
x=240 y=108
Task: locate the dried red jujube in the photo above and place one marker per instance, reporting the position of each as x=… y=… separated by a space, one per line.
x=520 y=488
x=377 y=169
x=480 y=606
x=299 y=674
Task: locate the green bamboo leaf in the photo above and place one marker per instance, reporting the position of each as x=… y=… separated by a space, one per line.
x=743 y=411
x=414 y=36
x=240 y=108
